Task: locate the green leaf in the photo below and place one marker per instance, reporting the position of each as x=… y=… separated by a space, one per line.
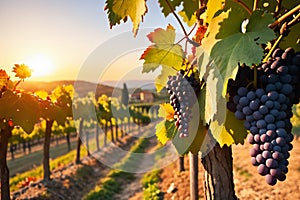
x=190 y=7
x=242 y=47
x=289 y=4
x=293 y=39
x=163 y=53
x=165 y=8
x=121 y=9
x=201 y=141
x=268 y=5
x=229 y=131
x=232 y=24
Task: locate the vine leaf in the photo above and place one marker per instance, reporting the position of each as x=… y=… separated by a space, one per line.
x=189 y=7
x=232 y=131
x=4 y=78
x=190 y=22
x=120 y=9
x=22 y=109
x=166 y=111
x=165 y=131
x=163 y=52
x=232 y=24
x=242 y=47
x=165 y=8
x=22 y=71
x=293 y=39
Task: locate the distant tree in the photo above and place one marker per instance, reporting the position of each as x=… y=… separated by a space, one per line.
x=125 y=95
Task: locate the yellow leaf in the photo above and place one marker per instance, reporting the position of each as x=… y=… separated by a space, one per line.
x=166 y=111
x=22 y=71
x=134 y=9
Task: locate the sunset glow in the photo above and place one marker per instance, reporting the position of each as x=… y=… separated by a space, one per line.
x=41 y=65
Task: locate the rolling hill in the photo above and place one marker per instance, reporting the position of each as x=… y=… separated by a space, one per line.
x=82 y=87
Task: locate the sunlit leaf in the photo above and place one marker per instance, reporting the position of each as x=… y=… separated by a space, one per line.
x=230 y=132
x=22 y=71
x=121 y=9
x=242 y=47
x=165 y=131
x=4 y=78
x=42 y=94
x=164 y=52
x=166 y=10
x=23 y=109
x=189 y=6
x=189 y=22
x=166 y=111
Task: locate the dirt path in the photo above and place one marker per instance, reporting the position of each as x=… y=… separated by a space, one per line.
x=133 y=190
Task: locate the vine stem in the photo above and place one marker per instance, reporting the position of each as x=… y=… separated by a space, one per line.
x=294 y=20
x=187 y=34
x=285 y=16
x=15 y=87
x=278 y=7
x=273 y=48
x=177 y=18
x=255 y=77
x=244 y=6
x=181 y=25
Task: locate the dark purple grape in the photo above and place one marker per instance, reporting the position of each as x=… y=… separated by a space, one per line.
x=271 y=163
x=270 y=179
x=277 y=156
x=262 y=170
x=275 y=172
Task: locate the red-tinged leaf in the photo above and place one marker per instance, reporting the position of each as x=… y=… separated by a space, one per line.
x=4 y=78
x=163 y=52
x=163 y=37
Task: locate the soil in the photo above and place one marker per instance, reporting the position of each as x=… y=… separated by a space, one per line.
x=249 y=185
x=74 y=181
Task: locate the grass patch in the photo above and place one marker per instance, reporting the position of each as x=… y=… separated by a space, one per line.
x=38 y=171
x=243 y=172
x=111 y=185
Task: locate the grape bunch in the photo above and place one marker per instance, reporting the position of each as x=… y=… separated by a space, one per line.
x=182 y=89
x=267 y=110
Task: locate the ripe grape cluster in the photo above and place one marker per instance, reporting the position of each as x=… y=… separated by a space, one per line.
x=182 y=89
x=267 y=110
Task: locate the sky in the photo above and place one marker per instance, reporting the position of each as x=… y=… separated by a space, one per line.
x=72 y=40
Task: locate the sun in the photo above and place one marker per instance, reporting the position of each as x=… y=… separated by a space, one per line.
x=41 y=65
